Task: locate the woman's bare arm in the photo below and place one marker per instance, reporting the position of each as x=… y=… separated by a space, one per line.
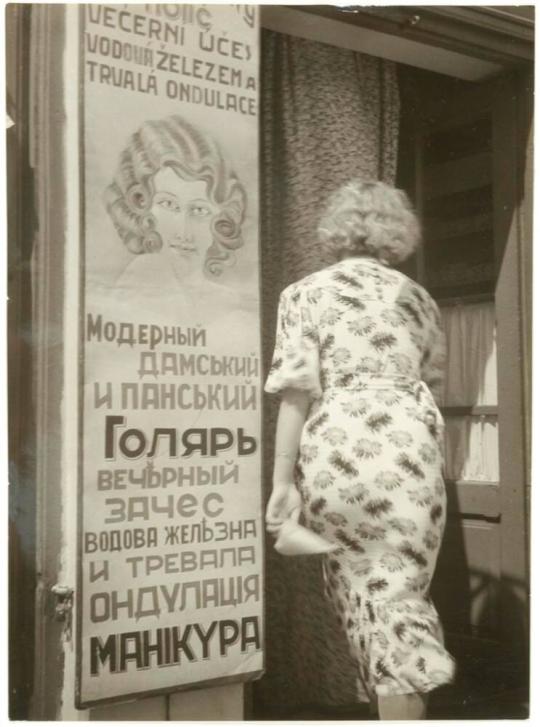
x=285 y=497
x=291 y=418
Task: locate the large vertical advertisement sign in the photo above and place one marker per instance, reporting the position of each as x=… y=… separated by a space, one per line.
x=170 y=545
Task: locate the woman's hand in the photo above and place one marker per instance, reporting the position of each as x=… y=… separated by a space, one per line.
x=284 y=499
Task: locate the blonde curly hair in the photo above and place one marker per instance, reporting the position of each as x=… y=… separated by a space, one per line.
x=370 y=218
x=174 y=142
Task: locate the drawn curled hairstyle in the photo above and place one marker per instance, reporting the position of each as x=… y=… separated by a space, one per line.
x=175 y=143
x=370 y=218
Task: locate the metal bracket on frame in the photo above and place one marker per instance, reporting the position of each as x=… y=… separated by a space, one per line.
x=64 y=605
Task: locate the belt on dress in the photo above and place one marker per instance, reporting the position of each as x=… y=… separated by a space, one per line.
x=360 y=381
x=365 y=380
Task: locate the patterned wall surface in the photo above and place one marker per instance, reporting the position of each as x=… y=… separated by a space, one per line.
x=328 y=115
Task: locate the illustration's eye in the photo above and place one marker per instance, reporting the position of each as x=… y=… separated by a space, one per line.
x=168 y=203
x=200 y=210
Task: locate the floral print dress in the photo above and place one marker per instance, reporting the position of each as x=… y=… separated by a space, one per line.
x=366 y=342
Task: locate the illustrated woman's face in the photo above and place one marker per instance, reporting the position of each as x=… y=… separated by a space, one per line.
x=183 y=215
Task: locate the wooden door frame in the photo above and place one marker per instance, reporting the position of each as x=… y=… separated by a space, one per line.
x=22 y=505
x=37 y=245
x=513 y=349
x=489 y=33
x=509 y=100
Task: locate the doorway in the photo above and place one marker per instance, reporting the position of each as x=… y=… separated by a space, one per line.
x=455 y=137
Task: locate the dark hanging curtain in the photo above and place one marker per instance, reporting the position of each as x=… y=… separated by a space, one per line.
x=328 y=115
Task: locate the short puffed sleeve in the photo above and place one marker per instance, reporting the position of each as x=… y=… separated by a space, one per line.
x=295 y=363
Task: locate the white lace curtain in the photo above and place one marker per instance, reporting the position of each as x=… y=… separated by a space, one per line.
x=471 y=380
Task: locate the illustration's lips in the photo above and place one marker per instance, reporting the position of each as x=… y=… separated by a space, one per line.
x=183 y=247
